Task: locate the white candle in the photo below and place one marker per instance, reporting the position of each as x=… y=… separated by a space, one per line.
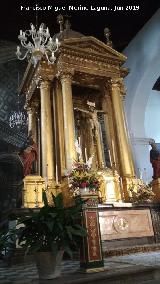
x=79 y=140
x=113 y=149
x=56 y=174
x=140 y=173
x=86 y=158
x=109 y=152
x=18 y=49
x=47 y=173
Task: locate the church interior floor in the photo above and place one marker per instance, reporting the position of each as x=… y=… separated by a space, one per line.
x=116 y=265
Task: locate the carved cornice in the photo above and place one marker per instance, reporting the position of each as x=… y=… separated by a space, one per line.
x=141 y=141
x=88 y=55
x=92 y=44
x=79 y=63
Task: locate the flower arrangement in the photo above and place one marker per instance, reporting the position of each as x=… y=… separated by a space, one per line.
x=82 y=177
x=141 y=193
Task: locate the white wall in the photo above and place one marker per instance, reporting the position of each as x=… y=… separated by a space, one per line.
x=142 y=103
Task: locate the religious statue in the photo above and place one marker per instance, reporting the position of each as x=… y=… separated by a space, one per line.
x=155 y=160
x=95 y=146
x=28 y=155
x=93 y=115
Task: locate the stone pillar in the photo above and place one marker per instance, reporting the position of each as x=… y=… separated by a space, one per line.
x=68 y=118
x=46 y=131
x=127 y=167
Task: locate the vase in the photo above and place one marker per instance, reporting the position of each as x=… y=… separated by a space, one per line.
x=48 y=265
x=84 y=190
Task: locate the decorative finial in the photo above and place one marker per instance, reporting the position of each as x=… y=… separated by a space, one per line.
x=60 y=21
x=107 y=34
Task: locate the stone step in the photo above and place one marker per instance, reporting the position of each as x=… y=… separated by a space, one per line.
x=131 y=249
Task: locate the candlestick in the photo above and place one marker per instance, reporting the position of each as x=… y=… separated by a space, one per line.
x=86 y=158
x=109 y=152
x=56 y=174
x=145 y=176
x=140 y=173
x=113 y=149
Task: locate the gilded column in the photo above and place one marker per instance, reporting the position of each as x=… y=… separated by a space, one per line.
x=60 y=125
x=46 y=131
x=122 y=135
x=68 y=118
x=99 y=145
x=110 y=129
x=123 y=94
x=32 y=125
x=30 y=118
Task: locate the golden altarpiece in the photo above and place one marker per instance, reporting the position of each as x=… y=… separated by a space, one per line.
x=78 y=98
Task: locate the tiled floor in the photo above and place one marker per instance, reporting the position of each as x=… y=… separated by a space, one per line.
x=27 y=274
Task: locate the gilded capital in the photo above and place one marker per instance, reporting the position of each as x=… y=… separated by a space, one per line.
x=117 y=84
x=64 y=73
x=45 y=84
x=65 y=77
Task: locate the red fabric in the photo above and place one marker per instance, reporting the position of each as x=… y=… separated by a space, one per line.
x=28 y=156
x=156 y=168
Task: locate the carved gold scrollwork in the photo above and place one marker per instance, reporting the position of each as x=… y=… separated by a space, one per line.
x=64 y=73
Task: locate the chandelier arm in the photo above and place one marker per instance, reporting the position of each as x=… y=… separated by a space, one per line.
x=45 y=41
x=22 y=58
x=27 y=45
x=51 y=62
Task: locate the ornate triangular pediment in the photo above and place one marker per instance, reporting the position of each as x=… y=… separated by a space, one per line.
x=94 y=46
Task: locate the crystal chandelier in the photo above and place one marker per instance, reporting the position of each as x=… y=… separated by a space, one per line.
x=42 y=44
x=17 y=118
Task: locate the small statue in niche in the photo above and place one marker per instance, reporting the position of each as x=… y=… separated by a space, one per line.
x=155 y=160
x=28 y=155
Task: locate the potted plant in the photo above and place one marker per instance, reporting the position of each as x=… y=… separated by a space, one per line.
x=7 y=241
x=51 y=231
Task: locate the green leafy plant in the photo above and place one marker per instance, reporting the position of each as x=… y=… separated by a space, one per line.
x=7 y=239
x=53 y=227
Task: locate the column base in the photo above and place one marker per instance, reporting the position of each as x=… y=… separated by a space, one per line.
x=156 y=189
x=127 y=183
x=32 y=192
